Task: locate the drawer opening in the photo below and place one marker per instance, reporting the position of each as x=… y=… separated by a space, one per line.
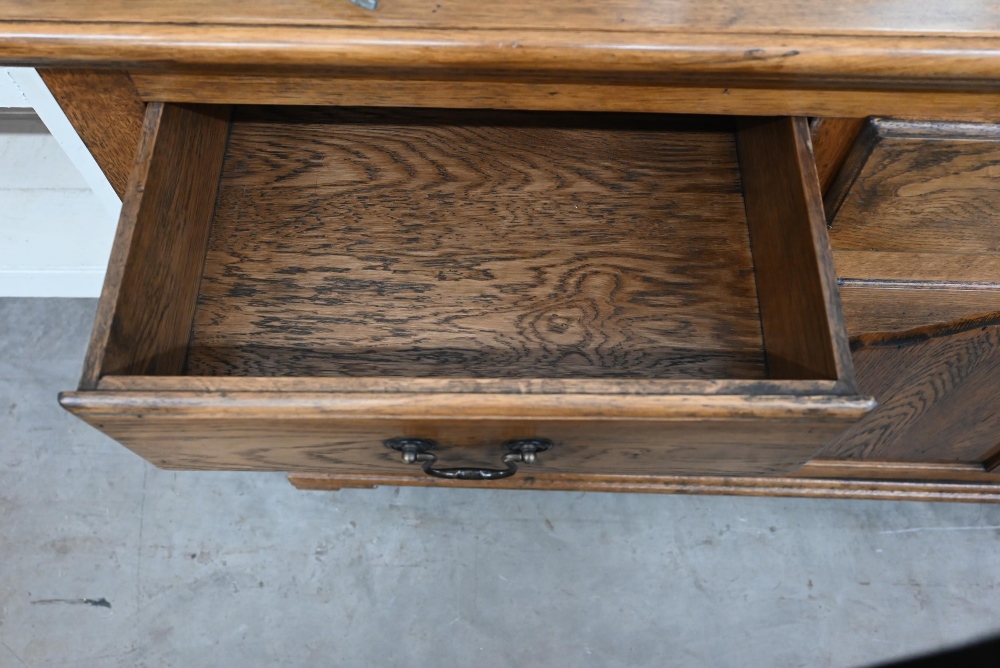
x=452 y=244
x=291 y=287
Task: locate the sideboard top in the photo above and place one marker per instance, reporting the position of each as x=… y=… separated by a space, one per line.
x=919 y=17
x=884 y=43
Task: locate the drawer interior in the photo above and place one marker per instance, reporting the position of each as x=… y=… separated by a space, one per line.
x=366 y=242
x=266 y=242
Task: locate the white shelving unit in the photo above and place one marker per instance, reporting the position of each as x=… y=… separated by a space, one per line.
x=57 y=210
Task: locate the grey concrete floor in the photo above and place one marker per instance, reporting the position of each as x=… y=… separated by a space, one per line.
x=107 y=561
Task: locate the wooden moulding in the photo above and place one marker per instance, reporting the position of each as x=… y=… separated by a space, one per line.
x=866 y=20
x=848 y=59
x=855 y=486
x=463 y=406
x=252 y=253
x=735 y=97
x=886 y=306
x=884 y=59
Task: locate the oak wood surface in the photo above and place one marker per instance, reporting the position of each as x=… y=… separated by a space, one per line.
x=593 y=434
x=224 y=87
x=937 y=391
x=832 y=139
x=107 y=113
x=743 y=486
x=914 y=224
x=923 y=187
x=871 y=306
x=889 y=55
x=933 y=472
x=463 y=406
x=929 y=17
x=914 y=228
x=144 y=317
x=803 y=327
x=858 y=58
x=480 y=244
x=471 y=385
x=972 y=271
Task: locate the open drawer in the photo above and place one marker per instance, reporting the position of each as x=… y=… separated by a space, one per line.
x=292 y=287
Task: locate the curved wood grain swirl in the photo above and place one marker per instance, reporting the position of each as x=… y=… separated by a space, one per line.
x=462 y=244
x=937 y=393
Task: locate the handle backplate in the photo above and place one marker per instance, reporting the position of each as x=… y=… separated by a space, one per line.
x=519 y=451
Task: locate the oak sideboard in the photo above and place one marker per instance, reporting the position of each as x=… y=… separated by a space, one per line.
x=705 y=246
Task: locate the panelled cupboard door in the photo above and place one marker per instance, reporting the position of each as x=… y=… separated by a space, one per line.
x=915 y=227
x=291 y=288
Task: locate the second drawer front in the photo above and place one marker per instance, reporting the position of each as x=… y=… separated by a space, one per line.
x=915 y=225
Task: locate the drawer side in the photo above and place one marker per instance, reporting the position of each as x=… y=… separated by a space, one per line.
x=147 y=304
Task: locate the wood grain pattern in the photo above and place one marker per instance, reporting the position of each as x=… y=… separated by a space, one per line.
x=931 y=472
x=832 y=139
x=925 y=187
x=804 y=333
x=463 y=406
x=144 y=317
x=742 y=486
x=937 y=388
x=809 y=16
x=107 y=113
x=915 y=226
x=916 y=245
x=471 y=385
x=854 y=162
x=593 y=433
x=462 y=244
x=956 y=270
x=733 y=98
x=883 y=307
x=885 y=58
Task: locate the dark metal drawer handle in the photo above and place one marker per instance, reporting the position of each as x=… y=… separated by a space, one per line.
x=523 y=450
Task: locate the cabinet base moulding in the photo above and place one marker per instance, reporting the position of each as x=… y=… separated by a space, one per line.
x=874 y=480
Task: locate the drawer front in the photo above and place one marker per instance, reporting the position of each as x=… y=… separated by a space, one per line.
x=915 y=225
x=334 y=434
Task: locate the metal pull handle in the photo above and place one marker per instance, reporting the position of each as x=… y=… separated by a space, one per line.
x=522 y=451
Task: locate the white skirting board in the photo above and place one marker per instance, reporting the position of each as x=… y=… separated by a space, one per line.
x=58 y=212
